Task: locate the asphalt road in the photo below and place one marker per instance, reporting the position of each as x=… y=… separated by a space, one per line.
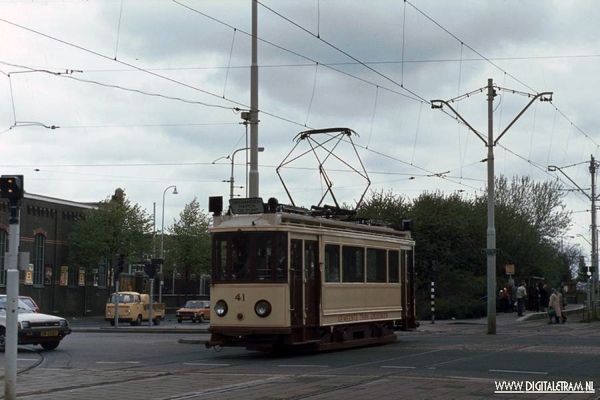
x=448 y=359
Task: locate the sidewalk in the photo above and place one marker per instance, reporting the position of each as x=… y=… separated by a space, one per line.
x=574 y=312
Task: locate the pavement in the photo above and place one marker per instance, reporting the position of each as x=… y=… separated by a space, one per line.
x=75 y=384
x=97 y=324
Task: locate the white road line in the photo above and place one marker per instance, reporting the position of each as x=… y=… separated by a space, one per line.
x=207 y=365
x=118 y=362
x=27 y=359
x=302 y=366
x=519 y=372
x=397 y=367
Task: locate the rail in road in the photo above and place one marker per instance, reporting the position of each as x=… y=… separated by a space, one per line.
x=448 y=359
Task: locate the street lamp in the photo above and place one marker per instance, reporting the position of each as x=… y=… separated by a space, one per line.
x=231 y=179
x=162 y=238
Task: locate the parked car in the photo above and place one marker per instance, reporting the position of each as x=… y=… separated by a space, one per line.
x=194 y=310
x=34 y=328
x=30 y=302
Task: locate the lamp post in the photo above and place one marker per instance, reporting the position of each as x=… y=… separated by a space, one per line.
x=162 y=239
x=231 y=179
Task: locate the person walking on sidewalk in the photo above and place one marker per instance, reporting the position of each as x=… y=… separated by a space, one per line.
x=521 y=296
x=555 y=303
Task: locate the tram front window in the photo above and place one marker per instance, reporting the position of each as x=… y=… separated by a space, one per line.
x=250 y=256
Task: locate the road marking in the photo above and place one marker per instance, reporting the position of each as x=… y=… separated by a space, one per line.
x=397 y=366
x=27 y=359
x=118 y=362
x=519 y=372
x=207 y=365
x=302 y=366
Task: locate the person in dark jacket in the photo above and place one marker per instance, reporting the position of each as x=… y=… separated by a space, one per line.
x=543 y=289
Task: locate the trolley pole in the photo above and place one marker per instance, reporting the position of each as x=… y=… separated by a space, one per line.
x=490 y=143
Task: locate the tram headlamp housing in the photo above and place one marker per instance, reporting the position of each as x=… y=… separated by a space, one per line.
x=221 y=308
x=262 y=308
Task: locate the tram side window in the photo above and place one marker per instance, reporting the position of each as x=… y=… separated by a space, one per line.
x=332 y=263
x=376 y=265
x=353 y=264
x=393 y=265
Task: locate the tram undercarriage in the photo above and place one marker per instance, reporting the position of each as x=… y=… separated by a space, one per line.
x=305 y=338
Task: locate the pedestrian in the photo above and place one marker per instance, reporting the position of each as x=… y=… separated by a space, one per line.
x=543 y=297
x=555 y=307
x=521 y=296
x=505 y=301
x=534 y=298
x=562 y=303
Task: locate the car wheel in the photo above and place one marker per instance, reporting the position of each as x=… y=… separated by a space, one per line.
x=179 y=320
x=138 y=321
x=156 y=321
x=112 y=322
x=201 y=318
x=2 y=339
x=49 y=346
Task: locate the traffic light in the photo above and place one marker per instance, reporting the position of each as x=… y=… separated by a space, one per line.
x=11 y=187
x=120 y=264
x=150 y=270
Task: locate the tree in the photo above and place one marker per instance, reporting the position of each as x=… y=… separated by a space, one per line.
x=115 y=227
x=190 y=241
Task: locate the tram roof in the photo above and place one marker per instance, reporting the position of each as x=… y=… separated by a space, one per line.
x=282 y=219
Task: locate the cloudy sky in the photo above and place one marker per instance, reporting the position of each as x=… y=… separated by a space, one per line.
x=147 y=94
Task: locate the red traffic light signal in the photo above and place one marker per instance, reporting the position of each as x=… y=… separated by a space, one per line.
x=11 y=187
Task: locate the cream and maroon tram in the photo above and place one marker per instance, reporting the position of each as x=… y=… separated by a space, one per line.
x=284 y=276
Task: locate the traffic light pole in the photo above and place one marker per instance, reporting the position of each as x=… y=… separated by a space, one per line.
x=12 y=303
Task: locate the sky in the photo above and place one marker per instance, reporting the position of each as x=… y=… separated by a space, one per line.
x=148 y=94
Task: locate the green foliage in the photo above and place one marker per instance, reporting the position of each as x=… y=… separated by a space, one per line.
x=450 y=232
x=115 y=227
x=189 y=244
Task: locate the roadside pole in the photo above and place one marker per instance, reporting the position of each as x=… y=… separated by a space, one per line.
x=11 y=188
x=490 y=142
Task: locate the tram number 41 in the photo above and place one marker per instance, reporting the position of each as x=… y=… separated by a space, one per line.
x=240 y=297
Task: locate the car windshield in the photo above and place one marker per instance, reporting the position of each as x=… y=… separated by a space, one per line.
x=193 y=304
x=23 y=308
x=123 y=298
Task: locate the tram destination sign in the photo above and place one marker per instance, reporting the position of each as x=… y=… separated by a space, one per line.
x=252 y=205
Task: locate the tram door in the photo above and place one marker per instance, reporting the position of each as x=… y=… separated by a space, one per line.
x=304 y=256
x=311 y=282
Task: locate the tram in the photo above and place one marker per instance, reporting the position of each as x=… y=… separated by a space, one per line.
x=318 y=279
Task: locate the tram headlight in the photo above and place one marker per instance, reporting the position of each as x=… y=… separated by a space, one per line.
x=221 y=308
x=262 y=308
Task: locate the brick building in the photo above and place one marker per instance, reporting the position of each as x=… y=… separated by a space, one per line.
x=58 y=288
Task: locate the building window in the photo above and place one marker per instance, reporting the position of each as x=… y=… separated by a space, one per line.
x=73 y=276
x=3 y=249
x=38 y=264
x=102 y=274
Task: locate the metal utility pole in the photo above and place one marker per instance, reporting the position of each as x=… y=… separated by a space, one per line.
x=253 y=175
x=593 y=299
x=491 y=229
x=593 y=166
x=11 y=188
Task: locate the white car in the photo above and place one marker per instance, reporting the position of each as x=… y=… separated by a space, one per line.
x=34 y=328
